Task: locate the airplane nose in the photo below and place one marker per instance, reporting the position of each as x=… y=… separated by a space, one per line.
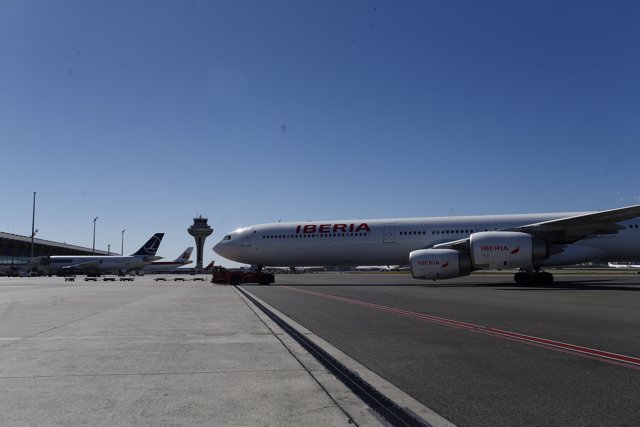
x=229 y=247
x=224 y=248
x=218 y=248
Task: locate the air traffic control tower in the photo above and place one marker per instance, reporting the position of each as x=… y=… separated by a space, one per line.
x=200 y=230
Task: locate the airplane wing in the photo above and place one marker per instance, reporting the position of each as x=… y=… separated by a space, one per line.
x=567 y=230
x=83 y=266
x=572 y=229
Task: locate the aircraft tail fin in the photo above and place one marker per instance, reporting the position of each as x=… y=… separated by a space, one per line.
x=151 y=247
x=185 y=255
x=208 y=267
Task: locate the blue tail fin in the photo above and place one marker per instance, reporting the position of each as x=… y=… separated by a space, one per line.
x=151 y=246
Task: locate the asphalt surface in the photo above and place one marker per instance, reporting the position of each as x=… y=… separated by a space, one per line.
x=156 y=354
x=402 y=330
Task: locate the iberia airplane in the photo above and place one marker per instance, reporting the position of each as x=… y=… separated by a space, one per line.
x=445 y=247
x=164 y=266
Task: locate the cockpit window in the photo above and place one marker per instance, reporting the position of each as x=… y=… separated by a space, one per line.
x=227 y=237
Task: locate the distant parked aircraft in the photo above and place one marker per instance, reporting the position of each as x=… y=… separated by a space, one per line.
x=372 y=268
x=164 y=266
x=623 y=265
x=101 y=264
x=191 y=270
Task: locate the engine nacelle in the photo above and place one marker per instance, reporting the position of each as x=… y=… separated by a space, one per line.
x=439 y=264
x=506 y=249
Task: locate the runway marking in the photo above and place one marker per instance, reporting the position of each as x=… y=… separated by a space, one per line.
x=605 y=356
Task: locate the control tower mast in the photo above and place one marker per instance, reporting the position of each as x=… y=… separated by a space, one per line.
x=199 y=230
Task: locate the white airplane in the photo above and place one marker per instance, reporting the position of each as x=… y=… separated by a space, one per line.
x=98 y=264
x=192 y=270
x=625 y=265
x=378 y=268
x=164 y=266
x=445 y=247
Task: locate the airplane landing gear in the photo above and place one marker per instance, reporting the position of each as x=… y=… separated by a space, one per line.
x=536 y=277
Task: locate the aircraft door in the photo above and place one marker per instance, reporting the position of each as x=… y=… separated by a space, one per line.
x=246 y=238
x=389 y=235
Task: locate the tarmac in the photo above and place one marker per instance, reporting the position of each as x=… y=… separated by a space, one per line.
x=156 y=353
x=480 y=350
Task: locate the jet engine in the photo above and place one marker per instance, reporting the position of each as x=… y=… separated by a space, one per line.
x=439 y=264
x=506 y=249
x=488 y=250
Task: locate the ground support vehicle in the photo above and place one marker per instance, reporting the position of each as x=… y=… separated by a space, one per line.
x=222 y=276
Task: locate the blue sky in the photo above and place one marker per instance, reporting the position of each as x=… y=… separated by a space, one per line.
x=149 y=113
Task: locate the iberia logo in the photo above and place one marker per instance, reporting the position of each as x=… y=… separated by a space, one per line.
x=445 y=264
x=516 y=250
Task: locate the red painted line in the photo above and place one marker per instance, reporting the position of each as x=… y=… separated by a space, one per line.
x=543 y=342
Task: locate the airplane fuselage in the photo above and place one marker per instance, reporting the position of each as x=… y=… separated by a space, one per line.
x=163 y=266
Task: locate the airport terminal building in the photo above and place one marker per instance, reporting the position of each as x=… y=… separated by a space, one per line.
x=15 y=251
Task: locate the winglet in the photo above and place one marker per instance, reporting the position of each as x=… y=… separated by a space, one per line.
x=151 y=246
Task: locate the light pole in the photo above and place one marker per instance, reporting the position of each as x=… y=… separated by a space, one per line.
x=93 y=251
x=122 y=243
x=33 y=222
